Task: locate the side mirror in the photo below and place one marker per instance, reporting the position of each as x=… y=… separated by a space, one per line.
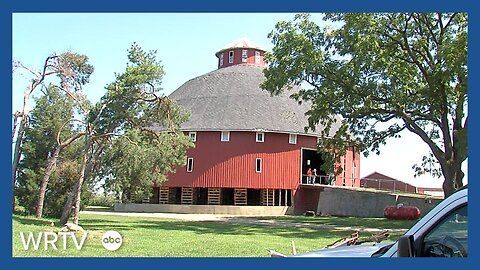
x=406 y=247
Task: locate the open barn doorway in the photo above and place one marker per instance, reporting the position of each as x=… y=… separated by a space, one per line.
x=311 y=159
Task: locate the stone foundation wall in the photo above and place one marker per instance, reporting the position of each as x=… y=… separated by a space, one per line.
x=203 y=209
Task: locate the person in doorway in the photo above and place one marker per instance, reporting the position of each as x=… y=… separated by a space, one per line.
x=315 y=176
x=309 y=176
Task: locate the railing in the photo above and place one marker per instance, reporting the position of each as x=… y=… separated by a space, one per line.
x=373 y=183
x=317 y=180
x=386 y=184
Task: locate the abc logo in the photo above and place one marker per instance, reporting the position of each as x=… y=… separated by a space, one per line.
x=112 y=240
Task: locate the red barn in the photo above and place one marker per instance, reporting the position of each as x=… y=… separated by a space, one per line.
x=380 y=181
x=251 y=149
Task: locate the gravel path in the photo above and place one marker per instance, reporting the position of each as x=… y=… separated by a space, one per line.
x=237 y=219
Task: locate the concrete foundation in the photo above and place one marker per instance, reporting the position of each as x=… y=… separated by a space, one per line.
x=364 y=203
x=204 y=209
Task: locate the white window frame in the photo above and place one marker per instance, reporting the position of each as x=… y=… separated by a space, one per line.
x=193 y=135
x=257 y=57
x=231 y=55
x=190 y=164
x=225 y=138
x=292 y=138
x=263 y=137
x=244 y=56
x=258 y=165
x=221 y=59
x=354 y=171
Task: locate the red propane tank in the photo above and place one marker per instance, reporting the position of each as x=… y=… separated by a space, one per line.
x=402 y=212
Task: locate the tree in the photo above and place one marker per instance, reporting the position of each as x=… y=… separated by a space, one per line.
x=382 y=73
x=41 y=151
x=72 y=70
x=123 y=120
x=137 y=161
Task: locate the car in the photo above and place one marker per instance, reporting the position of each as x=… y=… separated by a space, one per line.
x=442 y=232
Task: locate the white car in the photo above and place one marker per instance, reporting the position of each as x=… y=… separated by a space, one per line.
x=442 y=232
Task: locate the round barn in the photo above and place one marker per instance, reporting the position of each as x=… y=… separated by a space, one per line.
x=251 y=152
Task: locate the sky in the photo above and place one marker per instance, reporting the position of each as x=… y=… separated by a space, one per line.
x=186 y=44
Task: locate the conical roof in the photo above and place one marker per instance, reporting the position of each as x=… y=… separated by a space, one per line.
x=231 y=99
x=242 y=43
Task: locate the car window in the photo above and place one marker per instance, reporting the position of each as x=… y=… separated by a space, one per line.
x=450 y=237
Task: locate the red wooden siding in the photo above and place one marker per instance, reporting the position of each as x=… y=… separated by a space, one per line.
x=346 y=178
x=232 y=164
x=237 y=58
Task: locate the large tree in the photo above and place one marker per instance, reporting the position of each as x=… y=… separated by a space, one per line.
x=382 y=73
x=49 y=123
x=121 y=123
x=72 y=71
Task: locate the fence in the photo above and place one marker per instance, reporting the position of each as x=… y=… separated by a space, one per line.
x=375 y=183
x=387 y=184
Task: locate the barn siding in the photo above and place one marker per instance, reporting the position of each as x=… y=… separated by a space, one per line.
x=237 y=57
x=232 y=164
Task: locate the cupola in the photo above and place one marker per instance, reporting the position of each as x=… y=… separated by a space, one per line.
x=242 y=51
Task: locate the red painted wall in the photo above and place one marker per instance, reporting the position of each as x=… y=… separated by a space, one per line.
x=347 y=178
x=306 y=199
x=232 y=164
x=237 y=58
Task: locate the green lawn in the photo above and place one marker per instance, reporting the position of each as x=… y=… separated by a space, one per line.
x=381 y=223
x=155 y=237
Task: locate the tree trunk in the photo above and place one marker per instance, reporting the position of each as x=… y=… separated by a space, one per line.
x=453 y=178
x=51 y=164
x=16 y=156
x=78 y=190
x=68 y=206
x=18 y=143
x=73 y=199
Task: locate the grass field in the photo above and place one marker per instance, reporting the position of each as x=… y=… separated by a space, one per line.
x=155 y=237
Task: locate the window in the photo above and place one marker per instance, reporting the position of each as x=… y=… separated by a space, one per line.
x=244 y=56
x=221 y=59
x=193 y=136
x=230 y=57
x=258 y=165
x=354 y=174
x=225 y=136
x=354 y=171
x=190 y=164
x=450 y=237
x=257 y=57
x=260 y=137
x=292 y=138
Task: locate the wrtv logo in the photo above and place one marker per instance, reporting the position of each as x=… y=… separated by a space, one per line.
x=51 y=240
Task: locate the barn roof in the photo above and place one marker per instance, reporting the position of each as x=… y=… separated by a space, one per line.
x=239 y=44
x=231 y=99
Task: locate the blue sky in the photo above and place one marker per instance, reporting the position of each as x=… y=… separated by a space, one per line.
x=185 y=43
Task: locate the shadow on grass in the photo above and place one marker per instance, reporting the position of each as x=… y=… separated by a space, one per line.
x=298 y=227
x=27 y=220
x=98 y=209
x=376 y=223
x=224 y=228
